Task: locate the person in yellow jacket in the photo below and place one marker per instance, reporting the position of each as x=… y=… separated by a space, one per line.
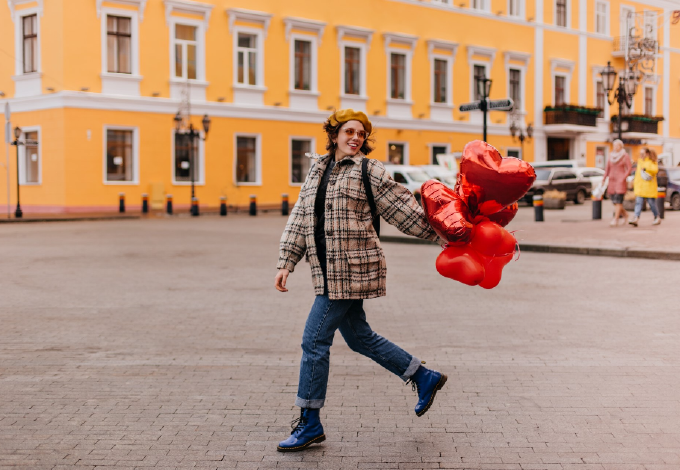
x=645 y=186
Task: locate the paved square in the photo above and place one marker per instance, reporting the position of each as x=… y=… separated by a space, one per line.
x=162 y=343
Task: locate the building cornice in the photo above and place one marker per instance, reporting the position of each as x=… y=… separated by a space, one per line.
x=303 y=24
x=13 y=4
x=250 y=16
x=140 y=4
x=190 y=7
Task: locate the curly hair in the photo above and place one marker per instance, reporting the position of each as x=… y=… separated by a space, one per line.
x=332 y=132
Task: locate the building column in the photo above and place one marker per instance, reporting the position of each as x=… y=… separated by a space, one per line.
x=539 y=141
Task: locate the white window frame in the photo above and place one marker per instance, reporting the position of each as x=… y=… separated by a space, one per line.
x=563 y=64
x=567 y=87
x=568 y=13
x=19 y=42
x=431 y=145
x=135 y=153
x=134 y=41
x=410 y=42
x=405 y=143
x=605 y=110
x=258 y=158
x=654 y=93
x=521 y=9
x=449 y=79
x=22 y=156
x=623 y=13
x=515 y=149
x=444 y=2
x=487 y=72
x=607 y=26
x=362 y=72
x=486 y=6
x=259 y=77
x=200 y=49
x=511 y=59
x=314 y=63
x=312 y=148
x=200 y=178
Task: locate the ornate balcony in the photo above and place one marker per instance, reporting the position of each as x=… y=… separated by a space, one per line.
x=637 y=123
x=572 y=114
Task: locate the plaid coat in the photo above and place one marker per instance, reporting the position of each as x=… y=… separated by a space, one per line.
x=356 y=266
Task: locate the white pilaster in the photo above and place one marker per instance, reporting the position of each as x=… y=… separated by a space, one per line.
x=539 y=140
x=583 y=53
x=666 y=76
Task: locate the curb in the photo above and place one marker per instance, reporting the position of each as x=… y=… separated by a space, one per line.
x=68 y=219
x=564 y=249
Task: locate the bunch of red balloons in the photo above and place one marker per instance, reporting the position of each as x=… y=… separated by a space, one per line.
x=471 y=216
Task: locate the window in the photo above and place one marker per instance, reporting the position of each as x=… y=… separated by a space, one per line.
x=601 y=17
x=600 y=98
x=560 y=90
x=247 y=170
x=561 y=13
x=479 y=73
x=29 y=166
x=397 y=153
x=649 y=101
x=437 y=150
x=440 y=81
x=479 y=4
x=303 y=66
x=119 y=44
x=120 y=156
x=186 y=47
x=352 y=70
x=514 y=153
x=184 y=154
x=299 y=161
x=515 y=87
x=30 y=44
x=246 y=52
x=600 y=157
x=398 y=76
x=514 y=8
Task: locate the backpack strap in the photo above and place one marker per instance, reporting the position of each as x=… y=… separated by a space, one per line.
x=369 y=195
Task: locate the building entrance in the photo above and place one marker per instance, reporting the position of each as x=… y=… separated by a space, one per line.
x=558 y=148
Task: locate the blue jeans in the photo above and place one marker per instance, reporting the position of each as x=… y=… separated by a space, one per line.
x=347 y=315
x=651 y=202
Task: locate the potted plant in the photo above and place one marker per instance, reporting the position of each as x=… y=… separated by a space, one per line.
x=554 y=199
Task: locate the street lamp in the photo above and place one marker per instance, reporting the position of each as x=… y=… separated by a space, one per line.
x=521 y=133
x=18 y=213
x=192 y=134
x=483 y=85
x=625 y=91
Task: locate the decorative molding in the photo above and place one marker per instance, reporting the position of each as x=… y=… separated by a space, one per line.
x=400 y=39
x=140 y=4
x=12 y=4
x=190 y=7
x=302 y=24
x=433 y=44
x=251 y=16
x=355 y=32
x=488 y=52
x=515 y=56
x=562 y=64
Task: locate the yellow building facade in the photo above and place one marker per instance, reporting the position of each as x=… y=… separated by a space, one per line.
x=95 y=85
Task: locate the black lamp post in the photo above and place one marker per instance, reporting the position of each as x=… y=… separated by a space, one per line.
x=18 y=213
x=483 y=85
x=625 y=91
x=192 y=134
x=521 y=134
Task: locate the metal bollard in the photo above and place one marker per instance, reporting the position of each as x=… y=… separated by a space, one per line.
x=145 y=203
x=168 y=204
x=223 y=205
x=194 y=206
x=661 y=200
x=121 y=202
x=253 y=205
x=597 y=208
x=538 y=208
x=284 y=204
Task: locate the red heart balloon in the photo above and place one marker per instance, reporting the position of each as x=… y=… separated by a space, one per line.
x=461 y=264
x=490 y=239
x=447 y=213
x=488 y=182
x=505 y=215
x=493 y=271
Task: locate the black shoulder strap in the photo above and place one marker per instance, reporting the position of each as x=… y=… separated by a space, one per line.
x=369 y=195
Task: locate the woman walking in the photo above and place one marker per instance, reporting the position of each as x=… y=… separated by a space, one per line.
x=332 y=224
x=645 y=186
x=618 y=169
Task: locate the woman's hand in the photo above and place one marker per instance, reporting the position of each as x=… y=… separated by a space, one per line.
x=280 y=280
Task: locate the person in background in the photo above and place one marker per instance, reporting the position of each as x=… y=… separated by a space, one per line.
x=618 y=168
x=645 y=186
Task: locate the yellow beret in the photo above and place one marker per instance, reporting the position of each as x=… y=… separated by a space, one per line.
x=344 y=115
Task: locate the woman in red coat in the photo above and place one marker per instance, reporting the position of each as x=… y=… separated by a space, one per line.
x=618 y=169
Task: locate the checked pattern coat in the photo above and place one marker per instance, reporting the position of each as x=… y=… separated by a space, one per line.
x=356 y=264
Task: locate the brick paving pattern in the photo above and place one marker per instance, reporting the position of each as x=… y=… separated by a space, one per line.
x=162 y=343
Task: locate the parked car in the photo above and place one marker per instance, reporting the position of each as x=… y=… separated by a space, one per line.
x=595 y=175
x=559 y=164
x=673 y=188
x=577 y=187
x=410 y=176
x=440 y=173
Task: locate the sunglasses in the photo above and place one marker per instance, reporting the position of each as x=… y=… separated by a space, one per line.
x=360 y=134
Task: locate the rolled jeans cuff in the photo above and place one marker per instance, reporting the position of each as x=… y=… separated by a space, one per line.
x=309 y=403
x=411 y=369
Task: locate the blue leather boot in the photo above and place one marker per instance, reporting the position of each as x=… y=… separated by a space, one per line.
x=307 y=430
x=427 y=382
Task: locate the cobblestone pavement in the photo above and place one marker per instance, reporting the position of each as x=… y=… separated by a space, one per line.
x=162 y=343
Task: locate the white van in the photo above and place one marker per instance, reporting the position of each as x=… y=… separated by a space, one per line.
x=410 y=176
x=559 y=164
x=440 y=173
